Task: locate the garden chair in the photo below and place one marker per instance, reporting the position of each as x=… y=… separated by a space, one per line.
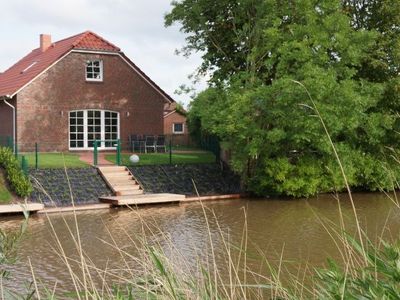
x=136 y=143
x=131 y=140
x=150 y=143
x=160 y=143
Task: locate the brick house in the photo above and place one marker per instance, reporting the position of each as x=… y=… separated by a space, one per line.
x=65 y=95
x=175 y=124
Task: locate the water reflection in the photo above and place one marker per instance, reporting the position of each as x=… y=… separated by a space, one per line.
x=273 y=225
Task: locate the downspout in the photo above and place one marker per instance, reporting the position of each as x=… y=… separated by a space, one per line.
x=13 y=108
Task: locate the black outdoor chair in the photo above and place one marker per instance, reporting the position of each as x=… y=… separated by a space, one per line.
x=150 y=143
x=136 y=143
x=160 y=143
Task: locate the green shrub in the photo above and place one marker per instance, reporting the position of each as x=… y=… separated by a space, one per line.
x=15 y=176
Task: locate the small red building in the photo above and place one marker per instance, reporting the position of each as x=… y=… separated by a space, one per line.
x=174 y=120
x=66 y=94
x=175 y=125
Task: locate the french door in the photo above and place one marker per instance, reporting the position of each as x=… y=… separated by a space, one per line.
x=86 y=126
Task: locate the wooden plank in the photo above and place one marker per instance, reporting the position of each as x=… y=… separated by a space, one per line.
x=117 y=174
x=114 y=182
x=129 y=192
x=76 y=208
x=112 y=168
x=143 y=199
x=121 y=187
x=17 y=208
x=210 y=198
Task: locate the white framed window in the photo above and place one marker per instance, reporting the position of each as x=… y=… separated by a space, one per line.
x=178 y=128
x=86 y=126
x=94 y=70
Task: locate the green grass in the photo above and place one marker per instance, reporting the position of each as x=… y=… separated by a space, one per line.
x=186 y=148
x=55 y=160
x=5 y=195
x=163 y=158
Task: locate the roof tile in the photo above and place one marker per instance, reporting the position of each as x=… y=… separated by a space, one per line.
x=25 y=70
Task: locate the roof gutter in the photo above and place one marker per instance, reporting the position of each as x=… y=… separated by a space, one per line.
x=5 y=98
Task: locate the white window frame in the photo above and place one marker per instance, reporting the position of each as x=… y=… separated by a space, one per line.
x=85 y=129
x=178 y=132
x=101 y=70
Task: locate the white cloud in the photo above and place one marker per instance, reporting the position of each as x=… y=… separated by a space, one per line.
x=137 y=27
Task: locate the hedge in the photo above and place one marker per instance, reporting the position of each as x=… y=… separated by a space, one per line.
x=14 y=174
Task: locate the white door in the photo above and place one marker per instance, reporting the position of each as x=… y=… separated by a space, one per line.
x=86 y=126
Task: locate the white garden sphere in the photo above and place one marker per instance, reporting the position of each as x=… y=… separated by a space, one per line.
x=134 y=159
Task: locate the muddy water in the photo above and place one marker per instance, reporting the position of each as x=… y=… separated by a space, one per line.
x=273 y=225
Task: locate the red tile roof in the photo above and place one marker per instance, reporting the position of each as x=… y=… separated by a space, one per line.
x=37 y=61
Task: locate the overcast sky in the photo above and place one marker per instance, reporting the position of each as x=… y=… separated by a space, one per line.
x=136 y=26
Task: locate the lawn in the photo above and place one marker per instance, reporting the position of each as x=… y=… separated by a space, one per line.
x=5 y=195
x=186 y=148
x=163 y=158
x=55 y=160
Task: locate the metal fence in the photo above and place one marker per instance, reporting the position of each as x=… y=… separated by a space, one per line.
x=37 y=155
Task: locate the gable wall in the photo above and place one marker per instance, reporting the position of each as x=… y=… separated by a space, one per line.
x=6 y=120
x=43 y=105
x=171 y=119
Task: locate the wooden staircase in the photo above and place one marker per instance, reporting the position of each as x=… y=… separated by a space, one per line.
x=120 y=180
x=128 y=191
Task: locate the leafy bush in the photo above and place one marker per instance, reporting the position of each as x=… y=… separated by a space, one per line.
x=15 y=176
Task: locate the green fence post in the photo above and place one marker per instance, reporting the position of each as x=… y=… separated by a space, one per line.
x=10 y=143
x=16 y=150
x=95 y=153
x=36 y=156
x=119 y=152
x=170 y=152
x=24 y=165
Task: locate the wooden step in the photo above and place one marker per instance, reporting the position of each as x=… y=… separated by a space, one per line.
x=120 y=180
x=112 y=169
x=142 y=199
x=119 y=187
x=128 y=192
x=127 y=181
x=117 y=174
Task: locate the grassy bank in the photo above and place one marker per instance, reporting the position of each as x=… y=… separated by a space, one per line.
x=163 y=158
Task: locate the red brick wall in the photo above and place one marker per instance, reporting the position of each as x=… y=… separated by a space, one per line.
x=171 y=119
x=44 y=105
x=177 y=139
x=6 y=118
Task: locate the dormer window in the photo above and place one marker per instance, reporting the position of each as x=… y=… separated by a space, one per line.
x=94 y=70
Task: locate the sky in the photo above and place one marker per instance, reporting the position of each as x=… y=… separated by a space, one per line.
x=136 y=26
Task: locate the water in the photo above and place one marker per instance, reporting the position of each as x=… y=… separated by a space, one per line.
x=274 y=225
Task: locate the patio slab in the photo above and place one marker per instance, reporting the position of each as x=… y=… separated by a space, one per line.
x=87 y=157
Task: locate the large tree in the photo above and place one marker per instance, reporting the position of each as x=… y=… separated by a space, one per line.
x=256 y=51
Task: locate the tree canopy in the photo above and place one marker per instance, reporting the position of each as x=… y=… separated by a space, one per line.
x=344 y=54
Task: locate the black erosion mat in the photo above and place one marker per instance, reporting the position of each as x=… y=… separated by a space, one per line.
x=208 y=179
x=54 y=187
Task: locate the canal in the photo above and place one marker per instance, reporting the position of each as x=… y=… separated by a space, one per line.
x=292 y=229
